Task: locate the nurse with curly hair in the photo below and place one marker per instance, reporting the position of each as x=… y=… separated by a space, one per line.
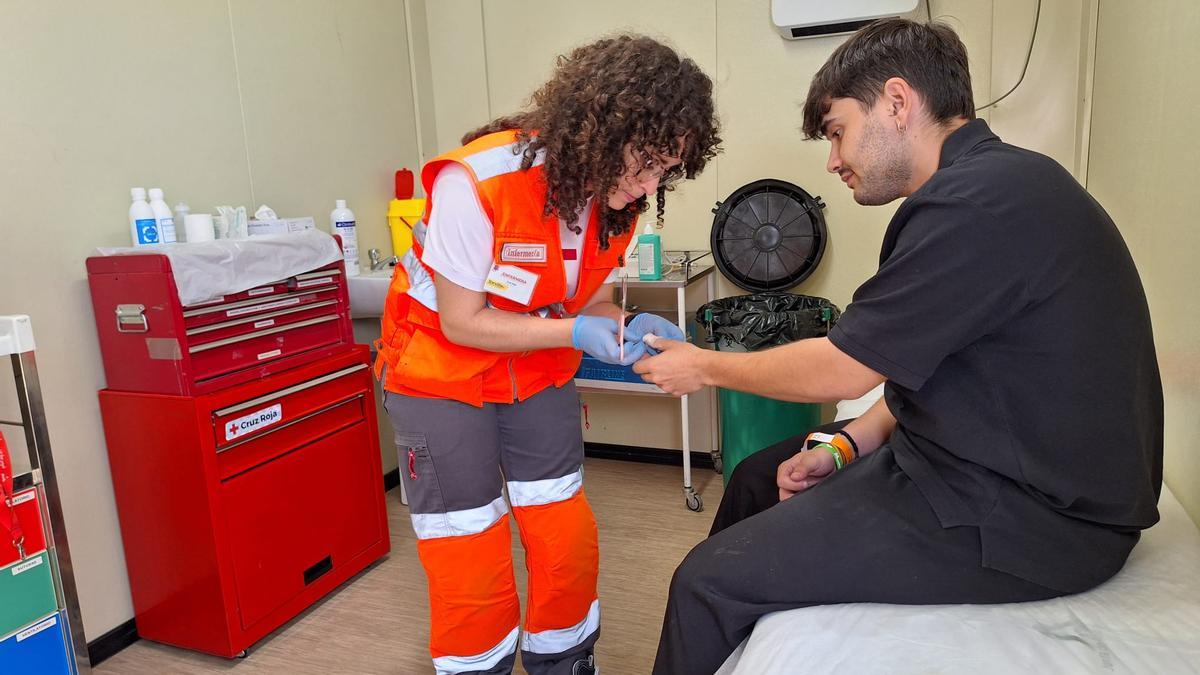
x=509 y=279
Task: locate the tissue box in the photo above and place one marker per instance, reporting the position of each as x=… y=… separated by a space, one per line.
x=280 y=225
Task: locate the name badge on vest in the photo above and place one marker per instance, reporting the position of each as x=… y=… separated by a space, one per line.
x=511 y=283
x=523 y=253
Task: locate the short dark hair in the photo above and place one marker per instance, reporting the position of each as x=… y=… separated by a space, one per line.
x=929 y=56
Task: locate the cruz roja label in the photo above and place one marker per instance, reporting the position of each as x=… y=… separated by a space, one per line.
x=253 y=422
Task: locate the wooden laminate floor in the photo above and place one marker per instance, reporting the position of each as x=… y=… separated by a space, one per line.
x=379 y=621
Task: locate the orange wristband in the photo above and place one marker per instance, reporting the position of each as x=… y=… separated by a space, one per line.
x=843 y=448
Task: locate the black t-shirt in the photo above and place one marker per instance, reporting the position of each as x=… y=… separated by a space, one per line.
x=1011 y=324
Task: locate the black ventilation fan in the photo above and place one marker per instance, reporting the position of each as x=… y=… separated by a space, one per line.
x=768 y=235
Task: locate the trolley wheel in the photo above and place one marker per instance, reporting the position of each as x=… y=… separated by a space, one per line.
x=693 y=502
x=242 y=654
x=718 y=464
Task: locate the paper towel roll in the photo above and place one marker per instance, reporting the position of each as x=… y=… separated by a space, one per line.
x=199 y=227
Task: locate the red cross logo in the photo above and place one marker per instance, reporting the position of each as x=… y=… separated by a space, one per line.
x=232 y=429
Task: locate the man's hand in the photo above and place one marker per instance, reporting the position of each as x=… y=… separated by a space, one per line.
x=646 y=324
x=678 y=368
x=804 y=470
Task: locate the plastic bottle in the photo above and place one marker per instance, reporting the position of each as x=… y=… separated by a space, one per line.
x=649 y=255
x=142 y=226
x=181 y=213
x=162 y=216
x=341 y=223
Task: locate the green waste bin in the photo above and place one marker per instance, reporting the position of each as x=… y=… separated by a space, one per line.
x=749 y=422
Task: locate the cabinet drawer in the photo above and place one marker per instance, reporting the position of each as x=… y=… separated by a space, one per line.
x=254 y=431
x=294 y=519
x=196 y=317
x=223 y=331
x=217 y=358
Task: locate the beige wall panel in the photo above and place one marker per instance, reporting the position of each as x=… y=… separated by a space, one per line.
x=456 y=59
x=327 y=93
x=100 y=97
x=1142 y=166
x=1043 y=113
x=418 y=49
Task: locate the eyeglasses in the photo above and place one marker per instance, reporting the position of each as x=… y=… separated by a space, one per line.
x=652 y=168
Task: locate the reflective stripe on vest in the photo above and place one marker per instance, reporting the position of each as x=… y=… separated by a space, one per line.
x=499 y=161
x=558 y=640
x=458 y=523
x=452 y=665
x=420 y=284
x=548 y=491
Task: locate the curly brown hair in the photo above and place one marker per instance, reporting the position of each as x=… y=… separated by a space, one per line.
x=625 y=89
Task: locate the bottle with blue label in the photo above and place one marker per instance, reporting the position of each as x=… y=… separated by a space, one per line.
x=649 y=254
x=143 y=227
x=341 y=223
x=162 y=216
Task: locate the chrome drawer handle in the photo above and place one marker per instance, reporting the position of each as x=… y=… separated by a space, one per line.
x=132 y=319
x=290 y=390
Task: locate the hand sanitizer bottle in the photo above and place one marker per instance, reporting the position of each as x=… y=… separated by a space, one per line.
x=649 y=254
x=341 y=223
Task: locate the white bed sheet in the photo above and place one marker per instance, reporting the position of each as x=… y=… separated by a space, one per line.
x=1146 y=619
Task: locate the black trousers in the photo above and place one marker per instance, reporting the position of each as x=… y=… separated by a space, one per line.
x=864 y=534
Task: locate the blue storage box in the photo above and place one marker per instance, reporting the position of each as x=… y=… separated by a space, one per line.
x=40 y=648
x=593 y=369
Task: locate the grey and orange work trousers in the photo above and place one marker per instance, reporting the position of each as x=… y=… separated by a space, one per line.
x=456 y=460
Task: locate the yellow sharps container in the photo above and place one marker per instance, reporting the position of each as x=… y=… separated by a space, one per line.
x=403 y=214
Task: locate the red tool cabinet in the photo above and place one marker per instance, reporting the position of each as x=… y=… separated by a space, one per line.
x=247 y=486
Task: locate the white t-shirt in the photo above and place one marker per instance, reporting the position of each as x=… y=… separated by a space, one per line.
x=458 y=243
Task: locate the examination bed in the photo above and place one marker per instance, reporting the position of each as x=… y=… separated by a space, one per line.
x=1144 y=620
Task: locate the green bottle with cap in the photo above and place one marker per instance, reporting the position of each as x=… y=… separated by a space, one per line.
x=649 y=254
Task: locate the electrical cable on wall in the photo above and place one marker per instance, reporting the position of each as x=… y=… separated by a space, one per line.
x=1033 y=36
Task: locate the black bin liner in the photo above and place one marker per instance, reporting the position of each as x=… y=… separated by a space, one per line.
x=762 y=320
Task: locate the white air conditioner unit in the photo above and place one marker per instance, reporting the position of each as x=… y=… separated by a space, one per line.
x=798 y=19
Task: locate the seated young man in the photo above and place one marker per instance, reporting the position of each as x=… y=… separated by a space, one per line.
x=1017 y=451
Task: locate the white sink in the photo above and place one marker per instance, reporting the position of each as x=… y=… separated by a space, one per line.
x=368 y=291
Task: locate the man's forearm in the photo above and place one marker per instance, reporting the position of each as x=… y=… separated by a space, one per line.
x=807 y=371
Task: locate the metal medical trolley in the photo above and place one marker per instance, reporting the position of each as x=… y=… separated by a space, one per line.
x=689 y=269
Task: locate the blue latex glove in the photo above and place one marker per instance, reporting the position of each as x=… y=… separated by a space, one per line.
x=651 y=324
x=597 y=336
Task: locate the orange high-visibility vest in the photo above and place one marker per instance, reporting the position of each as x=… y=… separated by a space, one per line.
x=414 y=355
